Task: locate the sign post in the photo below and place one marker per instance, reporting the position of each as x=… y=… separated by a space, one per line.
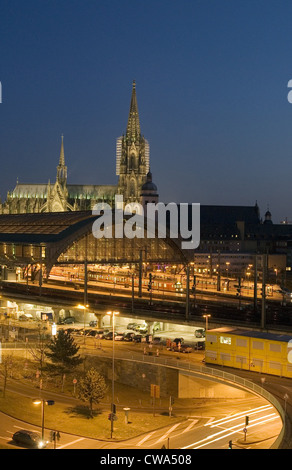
x=155 y=393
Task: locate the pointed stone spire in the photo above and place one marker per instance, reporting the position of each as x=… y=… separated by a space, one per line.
x=61 y=168
x=133 y=128
x=62 y=154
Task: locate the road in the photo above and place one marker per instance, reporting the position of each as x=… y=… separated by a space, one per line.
x=211 y=429
x=209 y=426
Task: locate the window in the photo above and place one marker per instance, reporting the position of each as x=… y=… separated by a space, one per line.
x=275 y=365
x=275 y=347
x=225 y=357
x=258 y=345
x=241 y=360
x=211 y=338
x=225 y=339
x=242 y=343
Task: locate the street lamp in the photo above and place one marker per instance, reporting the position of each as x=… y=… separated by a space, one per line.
x=41 y=401
x=83 y=307
x=206 y=317
x=113 y=408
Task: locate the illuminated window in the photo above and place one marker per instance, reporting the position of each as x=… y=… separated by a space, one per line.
x=225 y=339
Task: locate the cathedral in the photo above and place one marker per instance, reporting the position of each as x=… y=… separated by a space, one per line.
x=132 y=169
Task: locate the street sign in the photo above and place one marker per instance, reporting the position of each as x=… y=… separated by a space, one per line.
x=50 y=402
x=112 y=416
x=155 y=391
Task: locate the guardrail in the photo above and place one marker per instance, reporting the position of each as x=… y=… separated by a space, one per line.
x=214 y=373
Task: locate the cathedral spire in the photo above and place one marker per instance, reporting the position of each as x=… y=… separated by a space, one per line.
x=62 y=154
x=61 y=168
x=133 y=128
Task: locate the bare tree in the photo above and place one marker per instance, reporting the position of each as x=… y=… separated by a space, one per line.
x=6 y=368
x=39 y=351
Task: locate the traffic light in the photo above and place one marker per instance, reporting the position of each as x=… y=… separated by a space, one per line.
x=110 y=416
x=230 y=445
x=114 y=408
x=171 y=400
x=246 y=420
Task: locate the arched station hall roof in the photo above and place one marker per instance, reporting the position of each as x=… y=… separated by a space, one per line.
x=64 y=236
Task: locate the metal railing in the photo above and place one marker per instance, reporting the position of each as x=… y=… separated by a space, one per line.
x=215 y=374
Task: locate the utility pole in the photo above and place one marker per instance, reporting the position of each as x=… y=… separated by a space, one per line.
x=255 y=284
x=133 y=285
x=140 y=275
x=263 y=317
x=188 y=293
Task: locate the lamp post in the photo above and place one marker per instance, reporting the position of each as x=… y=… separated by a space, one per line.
x=206 y=317
x=83 y=307
x=41 y=401
x=113 y=407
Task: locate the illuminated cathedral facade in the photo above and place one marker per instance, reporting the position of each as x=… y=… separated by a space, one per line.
x=132 y=169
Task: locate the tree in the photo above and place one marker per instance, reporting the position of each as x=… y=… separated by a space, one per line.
x=63 y=353
x=92 y=388
x=6 y=368
x=39 y=351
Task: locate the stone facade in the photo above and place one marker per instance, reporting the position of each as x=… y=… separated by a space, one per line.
x=132 y=169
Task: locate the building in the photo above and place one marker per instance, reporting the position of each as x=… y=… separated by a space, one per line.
x=258 y=351
x=230 y=235
x=132 y=166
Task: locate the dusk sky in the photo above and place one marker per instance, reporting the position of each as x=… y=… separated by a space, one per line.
x=211 y=80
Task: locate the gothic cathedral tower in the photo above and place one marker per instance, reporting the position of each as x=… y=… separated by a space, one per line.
x=132 y=164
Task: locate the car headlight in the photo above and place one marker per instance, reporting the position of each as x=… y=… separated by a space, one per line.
x=41 y=444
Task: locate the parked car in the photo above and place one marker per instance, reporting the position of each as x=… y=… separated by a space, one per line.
x=109 y=335
x=25 y=317
x=69 y=330
x=141 y=329
x=200 y=333
x=22 y=318
x=119 y=336
x=66 y=321
x=178 y=340
x=129 y=336
x=93 y=323
x=137 y=338
x=157 y=340
x=90 y=333
x=101 y=333
x=29 y=438
x=183 y=349
x=131 y=326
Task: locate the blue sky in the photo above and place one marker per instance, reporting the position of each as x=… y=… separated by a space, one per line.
x=212 y=91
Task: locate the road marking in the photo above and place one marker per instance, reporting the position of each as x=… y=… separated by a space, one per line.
x=238 y=415
x=234 y=429
x=145 y=438
x=70 y=443
x=21 y=427
x=162 y=438
x=190 y=425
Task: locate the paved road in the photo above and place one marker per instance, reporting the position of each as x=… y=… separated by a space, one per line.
x=212 y=428
x=221 y=421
